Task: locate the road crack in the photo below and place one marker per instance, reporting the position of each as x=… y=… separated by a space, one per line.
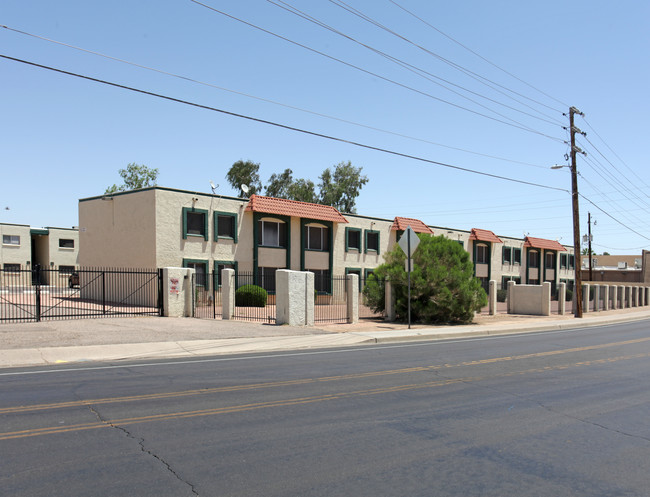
x=140 y=442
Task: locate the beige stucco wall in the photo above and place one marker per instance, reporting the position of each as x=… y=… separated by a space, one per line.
x=118 y=230
x=62 y=256
x=14 y=254
x=360 y=259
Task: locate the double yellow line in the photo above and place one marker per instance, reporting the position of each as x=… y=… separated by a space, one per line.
x=299 y=400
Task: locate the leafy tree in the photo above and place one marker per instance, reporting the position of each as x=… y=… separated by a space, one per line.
x=341 y=188
x=303 y=190
x=245 y=173
x=284 y=186
x=443 y=286
x=279 y=184
x=135 y=176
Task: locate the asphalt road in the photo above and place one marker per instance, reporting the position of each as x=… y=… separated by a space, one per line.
x=545 y=414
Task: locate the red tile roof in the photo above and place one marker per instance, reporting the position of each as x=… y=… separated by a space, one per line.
x=284 y=207
x=401 y=223
x=541 y=243
x=484 y=236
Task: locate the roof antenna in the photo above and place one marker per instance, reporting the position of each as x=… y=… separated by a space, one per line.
x=214 y=187
x=245 y=189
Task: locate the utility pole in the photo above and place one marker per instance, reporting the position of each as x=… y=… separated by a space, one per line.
x=577 y=312
x=591 y=259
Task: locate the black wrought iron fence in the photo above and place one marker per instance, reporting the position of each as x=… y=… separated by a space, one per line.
x=255 y=297
x=207 y=297
x=51 y=293
x=331 y=302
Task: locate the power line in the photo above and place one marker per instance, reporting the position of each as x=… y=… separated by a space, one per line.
x=486 y=60
x=383 y=78
x=326 y=116
x=283 y=126
x=414 y=69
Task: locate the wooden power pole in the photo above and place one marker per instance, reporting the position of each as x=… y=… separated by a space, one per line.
x=577 y=311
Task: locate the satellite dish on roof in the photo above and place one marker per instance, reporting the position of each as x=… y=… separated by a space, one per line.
x=213 y=186
x=245 y=189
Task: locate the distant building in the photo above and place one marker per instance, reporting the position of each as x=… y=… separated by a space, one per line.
x=163 y=227
x=617 y=268
x=24 y=247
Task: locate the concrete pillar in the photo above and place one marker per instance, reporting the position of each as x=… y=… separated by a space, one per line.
x=605 y=289
x=561 y=299
x=492 y=298
x=629 y=292
x=635 y=296
x=228 y=293
x=177 y=291
x=614 y=290
x=389 y=301
x=596 y=298
x=546 y=298
x=585 y=298
x=352 y=286
x=294 y=297
x=511 y=297
x=621 y=297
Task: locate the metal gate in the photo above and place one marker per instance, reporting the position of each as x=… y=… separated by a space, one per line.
x=40 y=294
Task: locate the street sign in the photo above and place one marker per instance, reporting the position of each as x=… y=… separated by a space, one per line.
x=409 y=238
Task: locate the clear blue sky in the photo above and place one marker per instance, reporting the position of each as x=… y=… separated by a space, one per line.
x=63 y=138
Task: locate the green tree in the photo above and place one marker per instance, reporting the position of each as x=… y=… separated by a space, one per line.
x=279 y=184
x=245 y=173
x=443 y=286
x=135 y=176
x=341 y=188
x=303 y=190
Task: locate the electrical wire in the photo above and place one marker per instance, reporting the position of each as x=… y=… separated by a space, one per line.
x=261 y=99
x=484 y=59
x=409 y=67
x=383 y=78
x=467 y=72
x=283 y=126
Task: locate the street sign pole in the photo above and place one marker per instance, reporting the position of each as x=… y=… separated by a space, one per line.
x=408 y=261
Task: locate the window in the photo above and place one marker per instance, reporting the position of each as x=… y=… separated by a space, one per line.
x=533 y=258
x=317 y=238
x=200 y=271
x=66 y=243
x=267 y=278
x=352 y=239
x=572 y=261
x=66 y=269
x=482 y=252
x=516 y=255
x=507 y=255
x=372 y=241
x=10 y=240
x=220 y=266
x=195 y=223
x=322 y=280
x=225 y=226
x=549 y=260
x=272 y=234
x=564 y=261
x=11 y=268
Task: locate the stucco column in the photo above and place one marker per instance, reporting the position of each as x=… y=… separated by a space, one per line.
x=635 y=296
x=621 y=296
x=605 y=297
x=177 y=291
x=628 y=290
x=228 y=293
x=585 y=297
x=614 y=290
x=294 y=297
x=511 y=297
x=596 y=298
x=389 y=301
x=352 y=286
x=561 y=299
x=546 y=298
x=492 y=298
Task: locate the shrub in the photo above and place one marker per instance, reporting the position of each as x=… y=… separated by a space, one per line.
x=568 y=295
x=502 y=295
x=251 y=296
x=443 y=286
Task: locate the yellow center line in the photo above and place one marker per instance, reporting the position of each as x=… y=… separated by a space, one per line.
x=304 y=381
x=296 y=401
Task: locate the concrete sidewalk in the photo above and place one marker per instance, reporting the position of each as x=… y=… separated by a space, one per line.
x=115 y=339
